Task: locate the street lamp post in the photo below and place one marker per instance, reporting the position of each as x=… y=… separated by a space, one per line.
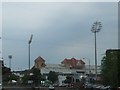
x=95 y=29
x=29 y=42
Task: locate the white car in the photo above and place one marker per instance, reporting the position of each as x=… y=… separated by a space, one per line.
x=51 y=87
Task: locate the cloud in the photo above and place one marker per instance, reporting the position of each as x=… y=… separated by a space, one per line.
x=60 y=30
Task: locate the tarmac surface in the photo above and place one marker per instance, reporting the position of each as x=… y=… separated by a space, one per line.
x=38 y=88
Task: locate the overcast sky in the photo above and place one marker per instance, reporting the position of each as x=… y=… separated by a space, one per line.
x=60 y=30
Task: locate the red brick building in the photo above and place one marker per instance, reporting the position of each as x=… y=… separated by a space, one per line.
x=73 y=63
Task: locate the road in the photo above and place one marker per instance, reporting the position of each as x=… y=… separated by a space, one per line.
x=36 y=88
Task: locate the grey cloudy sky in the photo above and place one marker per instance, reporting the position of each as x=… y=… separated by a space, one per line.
x=60 y=30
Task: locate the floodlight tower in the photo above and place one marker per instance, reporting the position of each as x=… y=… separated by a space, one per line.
x=95 y=29
x=10 y=57
x=29 y=42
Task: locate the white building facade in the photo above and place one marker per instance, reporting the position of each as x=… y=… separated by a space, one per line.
x=65 y=71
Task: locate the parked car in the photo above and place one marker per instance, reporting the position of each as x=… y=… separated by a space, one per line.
x=88 y=85
x=51 y=87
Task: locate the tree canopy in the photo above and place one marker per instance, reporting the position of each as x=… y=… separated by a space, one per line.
x=110 y=68
x=35 y=76
x=52 y=76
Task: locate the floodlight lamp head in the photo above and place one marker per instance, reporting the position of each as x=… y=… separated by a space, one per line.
x=10 y=56
x=30 y=39
x=96 y=27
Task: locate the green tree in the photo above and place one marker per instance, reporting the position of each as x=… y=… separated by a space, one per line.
x=110 y=68
x=14 y=77
x=68 y=79
x=32 y=75
x=52 y=76
x=36 y=77
x=7 y=75
x=6 y=72
x=25 y=78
